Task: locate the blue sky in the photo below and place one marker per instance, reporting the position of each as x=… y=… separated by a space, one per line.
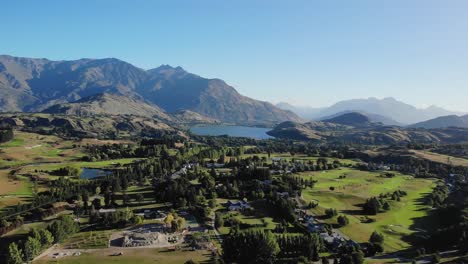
x=305 y=52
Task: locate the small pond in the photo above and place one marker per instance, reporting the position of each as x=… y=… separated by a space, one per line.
x=89 y=173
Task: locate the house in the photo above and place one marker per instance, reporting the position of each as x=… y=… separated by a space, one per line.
x=237 y=206
x=315 y=228
x=215 y=165
x=152 y=214
x=267 y=182
x=103 y=211
x=179 y=173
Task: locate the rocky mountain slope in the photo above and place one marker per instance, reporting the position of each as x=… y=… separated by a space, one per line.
x=36 y=84
x=110 y=104
x=95 y=126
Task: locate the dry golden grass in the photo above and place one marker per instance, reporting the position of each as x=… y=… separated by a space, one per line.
x=440 y=158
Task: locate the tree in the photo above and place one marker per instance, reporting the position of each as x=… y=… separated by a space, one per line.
x=212 y=203
x=168 y=220
x=331 y=212
x=178 y=224
x=219 y=221
x=45 y=237
x=32 y=248
x=15 y=254
x=386 y=206
x=376 y=238
x=250 y=247
x=139 y=198
x=137 y=220
x=342 y=220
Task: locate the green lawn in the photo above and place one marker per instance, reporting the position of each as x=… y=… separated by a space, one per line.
x=352 y=191
x=16 y=142
x=86 y=240
x=132 y=256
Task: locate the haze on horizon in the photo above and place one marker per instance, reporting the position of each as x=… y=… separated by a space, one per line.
x=305 y=53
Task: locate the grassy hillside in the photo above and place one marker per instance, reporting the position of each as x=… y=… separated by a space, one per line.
x=350 y=193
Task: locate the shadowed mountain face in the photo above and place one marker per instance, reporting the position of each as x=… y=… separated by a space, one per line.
x=351 y=119
x=36 y=84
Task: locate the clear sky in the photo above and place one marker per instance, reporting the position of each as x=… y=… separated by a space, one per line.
x=305 y=52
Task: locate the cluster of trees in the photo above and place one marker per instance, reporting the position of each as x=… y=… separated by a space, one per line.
x=349 y=253
x=375 y=244
x=438 y=196
x=375 y=205
x=62 y=189
x=342 y=220
x=7 y=225
x=250 y=247
x=452 y=215
x=119 y=151
x=455 y=150
x=296 y=246
x=67 y=171
x=39 y=240
x=174 y=222
x=282 y=208
x=331 y=212
x=420 y=168
x=296 y=165
x=119 y=218
x=258 y=246
x=6 y=135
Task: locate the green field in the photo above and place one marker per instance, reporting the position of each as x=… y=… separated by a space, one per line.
x=31 y=155
x=352 y=191
x=297 y=157
x=131 y=256
x=89 y=240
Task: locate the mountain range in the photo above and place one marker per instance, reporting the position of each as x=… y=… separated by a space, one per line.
x=444 y=121
x=356 y=128
x=389 y=110
x=76 y=86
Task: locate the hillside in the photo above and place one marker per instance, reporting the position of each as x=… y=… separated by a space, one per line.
x=444 y=121
x=190 y=117
x=96 y=126
x=110 y=104
x=354 y=119
x=36 y=84
x=374 y=118
x=374 y=135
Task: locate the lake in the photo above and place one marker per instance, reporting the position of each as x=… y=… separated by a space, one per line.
x=88 y=173
x=233 y=131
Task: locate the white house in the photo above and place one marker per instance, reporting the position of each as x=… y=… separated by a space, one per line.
x=238 y=206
